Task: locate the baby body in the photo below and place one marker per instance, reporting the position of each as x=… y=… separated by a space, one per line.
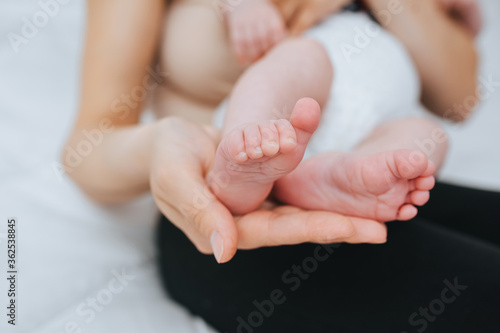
x=362 y=163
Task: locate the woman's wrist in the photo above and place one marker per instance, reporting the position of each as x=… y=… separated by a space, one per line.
x=117 y=169
x=391 y=12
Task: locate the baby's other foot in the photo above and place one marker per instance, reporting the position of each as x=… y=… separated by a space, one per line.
x=252 y=157
x=255 y=26
x=385 y=186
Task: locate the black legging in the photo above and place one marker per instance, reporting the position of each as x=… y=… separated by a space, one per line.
x=440 y=276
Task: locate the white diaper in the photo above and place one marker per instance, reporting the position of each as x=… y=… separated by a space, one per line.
x=374 y=81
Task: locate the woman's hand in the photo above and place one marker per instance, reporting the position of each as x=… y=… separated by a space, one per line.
x=466 y=11
x=442 y=48
x=183 y=153
x=301 y=15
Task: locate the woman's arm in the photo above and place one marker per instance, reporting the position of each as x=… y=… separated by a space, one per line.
x=301 y=15
x=442 y=49
x=107 y=155
x=437 y=33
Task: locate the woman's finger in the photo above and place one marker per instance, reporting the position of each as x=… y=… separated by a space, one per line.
x=204 y=220
x=238 y=44
x=290 y=225
x=279 y=32
x=265 y=36
x=182 y=193
x=368 y=231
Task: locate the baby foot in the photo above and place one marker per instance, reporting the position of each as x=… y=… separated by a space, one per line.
x=252 y=157
x=384 y=187
x=255 y=26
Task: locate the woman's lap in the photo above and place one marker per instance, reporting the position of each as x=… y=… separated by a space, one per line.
x=473 y=212
x=342 y=288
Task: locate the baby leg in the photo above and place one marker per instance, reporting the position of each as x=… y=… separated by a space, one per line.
x=264 y=135
x=384 y=178
x=408 y=133
x=252 y=157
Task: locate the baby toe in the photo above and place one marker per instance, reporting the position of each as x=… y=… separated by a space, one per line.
x=239 y=45
x=270 y=139
x=419 y=198
x=410 y=164
x=407 y=212
x=252 y=44
x=287 y=135
x=234 y=145
x=264 y=37
x=425 y=183
x=253 y=141
x=431 y=169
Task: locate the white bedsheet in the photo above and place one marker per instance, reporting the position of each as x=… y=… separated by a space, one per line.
x=71 y=249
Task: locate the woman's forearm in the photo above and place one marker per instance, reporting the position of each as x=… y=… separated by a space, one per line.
x=442 y=49
x=110 y=165
x=107 y=153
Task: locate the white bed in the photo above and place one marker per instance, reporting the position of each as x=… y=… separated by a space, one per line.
x=71 y=249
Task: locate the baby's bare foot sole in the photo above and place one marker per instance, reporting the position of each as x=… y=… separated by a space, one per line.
x=385 y=186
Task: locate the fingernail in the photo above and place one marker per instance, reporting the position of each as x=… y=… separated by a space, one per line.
x=292 y=140
x=258 y=150
x=217 y=245
x=380 y=242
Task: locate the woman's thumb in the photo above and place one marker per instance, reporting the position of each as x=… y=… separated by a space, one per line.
x=217 y=224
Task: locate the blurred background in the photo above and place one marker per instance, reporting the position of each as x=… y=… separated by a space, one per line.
x=85 y=267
